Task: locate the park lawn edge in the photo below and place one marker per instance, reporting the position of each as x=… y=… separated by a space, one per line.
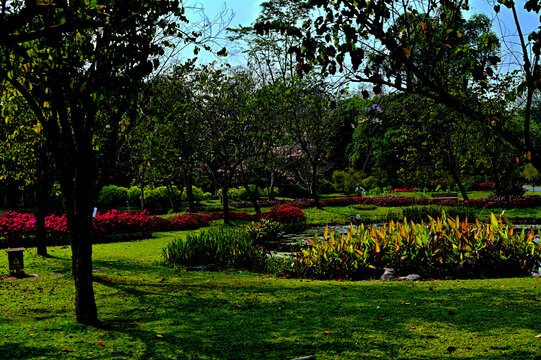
x=151 y=311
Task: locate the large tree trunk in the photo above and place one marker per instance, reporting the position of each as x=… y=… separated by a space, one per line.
x=42 y=195
x=78 y=182
x=81 y=236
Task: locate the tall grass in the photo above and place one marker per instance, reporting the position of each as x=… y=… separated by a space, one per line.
x=220 y=247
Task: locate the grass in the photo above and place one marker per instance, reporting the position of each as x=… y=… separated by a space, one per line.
x=153 y=312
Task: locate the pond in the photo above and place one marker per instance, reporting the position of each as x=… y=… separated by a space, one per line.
x=289 y=244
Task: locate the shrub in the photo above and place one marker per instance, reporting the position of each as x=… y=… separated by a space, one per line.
x=442 y=248
x=134 y=197
x=207 y=196
x=198 y=194
x=347 y=181
x=264 y=230
x=224 y=248
x=112 y=196
x=370 y=182
x=157 y=199
x=286 y=213
x=275 y=191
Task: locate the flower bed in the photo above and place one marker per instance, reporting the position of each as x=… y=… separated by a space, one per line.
x=14 y=225
x=408 y=189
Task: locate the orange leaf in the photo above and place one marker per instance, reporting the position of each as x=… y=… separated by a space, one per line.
x=101 y=343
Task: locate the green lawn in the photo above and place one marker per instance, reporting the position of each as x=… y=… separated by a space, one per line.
x=153 y=312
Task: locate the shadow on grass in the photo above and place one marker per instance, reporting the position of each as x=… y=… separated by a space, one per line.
x=18 y=351
x=209 y=316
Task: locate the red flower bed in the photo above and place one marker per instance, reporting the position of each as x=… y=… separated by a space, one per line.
x=188 y=221
x=12 y=222
x=110 y=222
x=281 y=213
x=285 y=213
x=408 y=189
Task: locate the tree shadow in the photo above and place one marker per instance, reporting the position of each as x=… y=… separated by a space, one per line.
x=290 y=328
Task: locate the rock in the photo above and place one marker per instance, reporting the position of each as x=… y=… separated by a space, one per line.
x=387 y=275
x=306 y=358
x=410 y=277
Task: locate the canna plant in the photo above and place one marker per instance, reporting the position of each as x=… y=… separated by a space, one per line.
x=442 y=248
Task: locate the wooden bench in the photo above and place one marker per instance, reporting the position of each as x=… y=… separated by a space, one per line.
x=445 y=196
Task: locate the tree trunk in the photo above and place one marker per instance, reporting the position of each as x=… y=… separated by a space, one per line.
x=42 y=195
x=456 y=178
x=270 y=191
x=189 y=191
x=313 y=187
x=81 y=236
x=142 y=189
x=172 y=199
x=78 y=186
x=253 y=198
x=225 y=197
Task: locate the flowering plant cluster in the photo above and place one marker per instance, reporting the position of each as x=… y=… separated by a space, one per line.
x=111 y=222
x=55 y=224
x=408 y=189
x=521 y=202
x=180 y=222
x=12 y=222
x=484 y=186
x=114 y=221
x=281 y=213
x=285 y=213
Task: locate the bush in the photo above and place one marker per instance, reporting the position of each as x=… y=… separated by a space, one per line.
x=442 y=248
x=198 y=194
x=112 y=196
x=275 y=192
x=370 y=182
x=265 y=230
x=224 y=248
x=346 y=181
x=134 y=197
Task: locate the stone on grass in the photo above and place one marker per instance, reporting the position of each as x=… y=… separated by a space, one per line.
x=387 y=275
x=410 y=277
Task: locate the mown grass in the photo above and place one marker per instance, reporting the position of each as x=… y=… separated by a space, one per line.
x=153 y=312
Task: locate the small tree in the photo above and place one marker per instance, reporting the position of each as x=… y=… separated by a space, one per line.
x=531 y=174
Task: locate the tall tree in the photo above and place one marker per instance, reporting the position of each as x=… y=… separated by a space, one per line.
x=68 y=60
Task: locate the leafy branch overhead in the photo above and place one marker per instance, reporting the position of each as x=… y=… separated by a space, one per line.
x=422 y=47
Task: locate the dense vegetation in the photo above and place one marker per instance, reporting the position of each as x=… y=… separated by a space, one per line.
x=98 y=112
